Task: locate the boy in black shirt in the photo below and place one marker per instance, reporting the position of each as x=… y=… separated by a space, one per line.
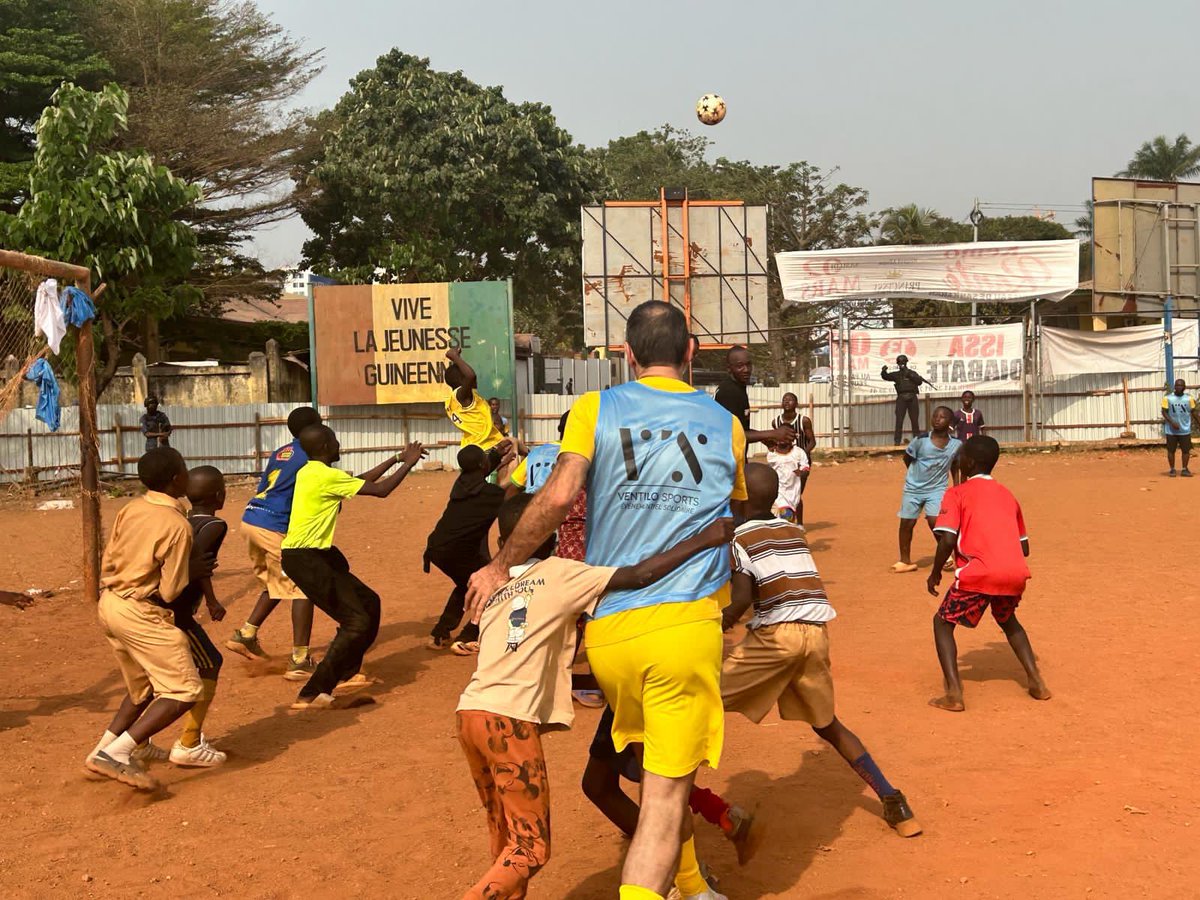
x=458 y=543
x=156 y=427
x=206 y=492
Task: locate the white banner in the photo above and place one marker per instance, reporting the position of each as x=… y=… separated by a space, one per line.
x=984 y=358
x=1140 y=349
x=991 y=271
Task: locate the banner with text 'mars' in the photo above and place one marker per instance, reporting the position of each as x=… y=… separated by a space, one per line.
x=387 y=343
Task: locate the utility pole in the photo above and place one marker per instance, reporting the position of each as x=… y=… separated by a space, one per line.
x=976 y=217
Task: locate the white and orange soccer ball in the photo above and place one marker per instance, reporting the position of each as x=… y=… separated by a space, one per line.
x=710 y=109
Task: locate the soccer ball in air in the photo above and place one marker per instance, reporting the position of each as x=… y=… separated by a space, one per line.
x=710 y=109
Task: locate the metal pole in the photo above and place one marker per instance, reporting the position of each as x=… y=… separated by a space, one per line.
x=1168 y=345
x=976 y=217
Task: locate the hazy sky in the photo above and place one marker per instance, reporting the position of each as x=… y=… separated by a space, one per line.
x=1017 y=103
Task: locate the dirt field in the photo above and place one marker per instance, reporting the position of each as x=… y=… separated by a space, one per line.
x=1089 y=794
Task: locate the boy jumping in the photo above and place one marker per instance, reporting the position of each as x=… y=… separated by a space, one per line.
x=981 y=524
x=319 y=568
x=146 y=566
x=264 y=523
x=784 y=658
x=930 y=460
x=522 y=687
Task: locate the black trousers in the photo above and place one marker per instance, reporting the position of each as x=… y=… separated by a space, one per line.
x=325 y=578
x=906 y=403
x=459 y=568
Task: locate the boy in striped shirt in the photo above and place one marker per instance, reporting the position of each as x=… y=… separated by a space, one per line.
x=784 y=658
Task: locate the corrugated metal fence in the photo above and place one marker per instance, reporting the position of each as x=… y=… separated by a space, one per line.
x=236 y=439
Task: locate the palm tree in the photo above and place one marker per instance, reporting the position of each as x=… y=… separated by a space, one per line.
x=1157 y=160
x=1083 y=224
x=909 y=224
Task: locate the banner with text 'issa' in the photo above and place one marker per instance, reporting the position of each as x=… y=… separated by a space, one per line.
x=982 y=358
x=387 y=343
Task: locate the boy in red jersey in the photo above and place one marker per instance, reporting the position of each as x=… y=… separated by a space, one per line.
x=981 y=524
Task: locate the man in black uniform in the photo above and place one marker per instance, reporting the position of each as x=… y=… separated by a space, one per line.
x=908 y=385
x=731 y=394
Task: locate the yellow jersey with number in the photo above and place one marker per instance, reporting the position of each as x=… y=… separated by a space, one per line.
x=474 y=420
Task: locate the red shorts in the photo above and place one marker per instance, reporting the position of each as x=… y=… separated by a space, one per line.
x=966 y=607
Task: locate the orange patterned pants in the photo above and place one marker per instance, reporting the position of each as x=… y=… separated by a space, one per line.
x=509 y=769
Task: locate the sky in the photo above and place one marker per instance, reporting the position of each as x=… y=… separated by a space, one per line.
x=931 y=102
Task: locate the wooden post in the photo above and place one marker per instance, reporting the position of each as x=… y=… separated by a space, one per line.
x=1128 y=432
x=30 y=471
x=119 y=436
x=257 y=442
x=89 y=452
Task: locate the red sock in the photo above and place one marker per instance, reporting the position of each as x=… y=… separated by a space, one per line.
x=715 y=811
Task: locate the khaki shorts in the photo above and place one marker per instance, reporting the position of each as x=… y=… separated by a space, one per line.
x=785 y=664
x=154 y=656
x=264 y=556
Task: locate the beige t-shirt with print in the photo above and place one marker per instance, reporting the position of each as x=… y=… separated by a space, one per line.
x=527 y=641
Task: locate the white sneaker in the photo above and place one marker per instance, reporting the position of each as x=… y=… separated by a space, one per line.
x=710 y=894
x=149 y=752
x=203 y=755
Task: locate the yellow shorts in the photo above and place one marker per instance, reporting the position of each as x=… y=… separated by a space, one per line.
x=664 y=687
x=785 y=664
x=152 y=653
x=268 y=569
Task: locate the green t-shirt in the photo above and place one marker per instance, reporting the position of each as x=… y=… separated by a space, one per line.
x=320 y=490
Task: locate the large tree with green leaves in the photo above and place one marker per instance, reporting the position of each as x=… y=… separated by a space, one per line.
x=1163 y=160
x=424 y=175
x=210 y=83
x=42 y=44
x=114 y=211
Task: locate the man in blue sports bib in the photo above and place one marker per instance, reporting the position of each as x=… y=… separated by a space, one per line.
x=660 y=460
x=1177 y=409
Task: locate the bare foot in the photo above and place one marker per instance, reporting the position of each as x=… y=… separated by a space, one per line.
x=1039 y=691
x=949 y=703
x=901 y=568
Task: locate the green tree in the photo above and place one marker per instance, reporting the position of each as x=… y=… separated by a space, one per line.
x=209 y=83
x=1158 y=160
x=113 y=211
x=426 y=176
x=41 y=45
x=914 y=224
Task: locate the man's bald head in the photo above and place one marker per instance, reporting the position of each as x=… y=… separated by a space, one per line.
x=319 y=442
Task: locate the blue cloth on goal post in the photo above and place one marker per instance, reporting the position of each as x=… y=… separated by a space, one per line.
x=47 y=406
x=78 y=307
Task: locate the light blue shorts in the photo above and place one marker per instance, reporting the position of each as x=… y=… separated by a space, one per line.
x=912 y=504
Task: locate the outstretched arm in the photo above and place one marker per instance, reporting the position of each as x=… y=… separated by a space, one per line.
x=648 y=571
x=374 y=487
x=467 y=389
x=543 y=515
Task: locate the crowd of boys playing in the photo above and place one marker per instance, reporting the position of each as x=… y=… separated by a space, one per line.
x=590 y=545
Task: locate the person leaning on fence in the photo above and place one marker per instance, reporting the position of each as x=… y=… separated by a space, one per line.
x=1177 y=410
x=155 y=425
x=908 y=386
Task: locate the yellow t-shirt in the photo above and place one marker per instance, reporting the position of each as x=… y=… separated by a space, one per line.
x=520 y=475
x=580 y=438
x=474 y=421
x=320 y=489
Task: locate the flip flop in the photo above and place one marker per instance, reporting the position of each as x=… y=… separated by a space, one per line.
x=900 y=568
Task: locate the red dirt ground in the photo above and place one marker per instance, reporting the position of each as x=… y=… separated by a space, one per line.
x=1089 y=794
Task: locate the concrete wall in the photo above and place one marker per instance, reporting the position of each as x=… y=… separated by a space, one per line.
x=263 y=378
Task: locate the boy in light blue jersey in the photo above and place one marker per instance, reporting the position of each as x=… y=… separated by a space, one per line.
x=931 y=460
x=534 y=469
x=264 y=523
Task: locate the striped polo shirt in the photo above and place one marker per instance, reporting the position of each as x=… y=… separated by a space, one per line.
x=787 y=587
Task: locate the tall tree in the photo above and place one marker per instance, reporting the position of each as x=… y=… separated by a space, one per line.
x=113 y=211
x=426 y=176
x=209 y=84
x=1160 y=160
x=41 y=45
x=914 y=224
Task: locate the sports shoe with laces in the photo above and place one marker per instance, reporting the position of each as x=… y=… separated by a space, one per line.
x=248 y=647
x=149 y=752
x=202 y=756
x=746 y=834
x=300 y=671
x=130 y=773
x=898 y=814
